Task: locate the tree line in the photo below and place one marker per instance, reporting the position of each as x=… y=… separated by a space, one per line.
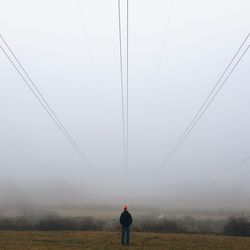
x=235 y=226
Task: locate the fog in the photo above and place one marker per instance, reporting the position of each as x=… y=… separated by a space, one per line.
x=177 y=52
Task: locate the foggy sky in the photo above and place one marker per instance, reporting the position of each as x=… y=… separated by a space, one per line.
x=79 y=76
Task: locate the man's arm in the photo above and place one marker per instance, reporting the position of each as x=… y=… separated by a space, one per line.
x=121 y=219
x=130 y=218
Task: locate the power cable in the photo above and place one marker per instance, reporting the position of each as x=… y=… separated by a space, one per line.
x=38 y=91
x=44 y=103
x=212 y=91
x=21 y=153
x=205 y=105
x=122 y=83
x=239 y=176
x=161 y=54
x=85 y=31
x=127 y=160
x=165 y=39
x=232 y=166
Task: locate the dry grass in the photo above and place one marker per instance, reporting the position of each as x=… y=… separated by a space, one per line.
x=109 y=240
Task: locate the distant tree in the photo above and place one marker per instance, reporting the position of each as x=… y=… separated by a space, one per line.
x=237 y=226
x=188 y=223
x=163 y=225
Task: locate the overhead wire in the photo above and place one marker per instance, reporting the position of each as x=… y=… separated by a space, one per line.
x=212 y=91
x=36 y=92
x=161 y=55
x=205 y=104
x=239 y=176
x=165 y=39
x=20 y=152
x=208 y=178
x=127 y=160
x=16 y=148
x=85 y=31
x=199 y=116
x=122 y=83
x=232 y=166
x=225 y=169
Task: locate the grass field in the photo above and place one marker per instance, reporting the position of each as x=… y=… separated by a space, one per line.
x=109 y=240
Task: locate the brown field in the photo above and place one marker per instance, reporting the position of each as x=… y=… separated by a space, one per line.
x=109 y=240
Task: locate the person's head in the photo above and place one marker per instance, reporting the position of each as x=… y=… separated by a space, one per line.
x=125 y=208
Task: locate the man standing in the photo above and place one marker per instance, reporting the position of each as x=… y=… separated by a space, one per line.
x=125 y=221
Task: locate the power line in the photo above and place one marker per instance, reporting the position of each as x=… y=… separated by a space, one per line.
x=239 y=176
x=127 y=83
x=207 y=178
x=20 y=152
x=181 y=141
x=232 y=166
x=44 y=103
x=205 y=105
x=38 y=91
x=165 y=39
x=162 y=52
x=122 y=88
x=211 y=92
x=85 y=31
x=17 y=149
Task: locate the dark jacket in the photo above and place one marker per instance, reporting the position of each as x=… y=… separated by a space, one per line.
x=125 y=219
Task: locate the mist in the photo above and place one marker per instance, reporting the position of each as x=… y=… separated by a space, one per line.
x=177 y=52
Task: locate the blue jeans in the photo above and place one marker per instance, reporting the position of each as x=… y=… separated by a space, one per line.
x=125 y=235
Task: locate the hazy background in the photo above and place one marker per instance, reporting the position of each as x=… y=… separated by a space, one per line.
x=80 y=78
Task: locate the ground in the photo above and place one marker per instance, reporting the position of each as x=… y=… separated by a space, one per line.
x=109 y=240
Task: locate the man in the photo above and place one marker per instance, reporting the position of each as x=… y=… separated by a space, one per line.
x=125 y=221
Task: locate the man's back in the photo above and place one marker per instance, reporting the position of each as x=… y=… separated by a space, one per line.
x=125 y=219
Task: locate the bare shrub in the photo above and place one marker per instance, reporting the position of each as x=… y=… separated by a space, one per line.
x=163 y=225
x=237 y=226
